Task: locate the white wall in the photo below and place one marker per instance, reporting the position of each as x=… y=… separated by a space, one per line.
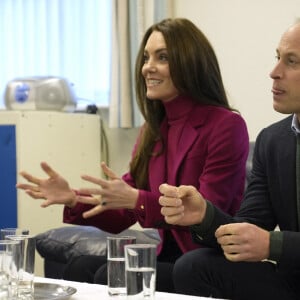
x=244 y=34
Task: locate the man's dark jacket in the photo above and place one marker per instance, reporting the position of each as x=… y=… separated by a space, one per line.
x=270 y=198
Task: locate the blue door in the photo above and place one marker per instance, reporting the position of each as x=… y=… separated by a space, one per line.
x=8 y=176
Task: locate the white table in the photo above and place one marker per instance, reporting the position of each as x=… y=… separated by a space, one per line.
x=87 y=291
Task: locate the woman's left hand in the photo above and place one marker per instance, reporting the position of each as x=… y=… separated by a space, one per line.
x=113 y=193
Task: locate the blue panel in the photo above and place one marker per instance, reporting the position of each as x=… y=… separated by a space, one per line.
x=8 y=176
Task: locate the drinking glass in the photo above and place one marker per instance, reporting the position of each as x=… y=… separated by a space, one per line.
x=13 y=231
x=25 y=267
x=10 y=253
x=140 y=271
x=116 y=264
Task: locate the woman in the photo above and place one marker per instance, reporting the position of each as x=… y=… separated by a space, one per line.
x=191 y=136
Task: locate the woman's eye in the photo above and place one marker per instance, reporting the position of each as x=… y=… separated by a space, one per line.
x=163 y=57
x=277 y=57
x=146 y=58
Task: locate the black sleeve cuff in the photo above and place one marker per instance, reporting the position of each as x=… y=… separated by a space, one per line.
x=276 y=241
x=198 y=230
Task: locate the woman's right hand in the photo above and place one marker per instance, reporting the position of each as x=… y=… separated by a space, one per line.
x=55 y=189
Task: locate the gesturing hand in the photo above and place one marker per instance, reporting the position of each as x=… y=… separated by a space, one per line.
x=243 y=242
x=54 y=189
x=113 y=193
x=182 y=205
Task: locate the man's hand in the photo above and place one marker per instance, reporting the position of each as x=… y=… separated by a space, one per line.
x=243 y=242
x=182 y=205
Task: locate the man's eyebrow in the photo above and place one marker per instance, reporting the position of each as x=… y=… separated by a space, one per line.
x=293 y=54
x=289 y=53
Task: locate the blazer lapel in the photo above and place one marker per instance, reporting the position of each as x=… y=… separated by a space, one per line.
x=157 y=164
x=188 y=136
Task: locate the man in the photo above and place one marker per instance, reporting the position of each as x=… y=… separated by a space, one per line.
x=244 y=256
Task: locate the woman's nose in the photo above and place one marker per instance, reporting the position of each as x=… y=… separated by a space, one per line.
x=150 y=65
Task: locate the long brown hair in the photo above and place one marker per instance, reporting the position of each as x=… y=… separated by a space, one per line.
x=194 y=70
